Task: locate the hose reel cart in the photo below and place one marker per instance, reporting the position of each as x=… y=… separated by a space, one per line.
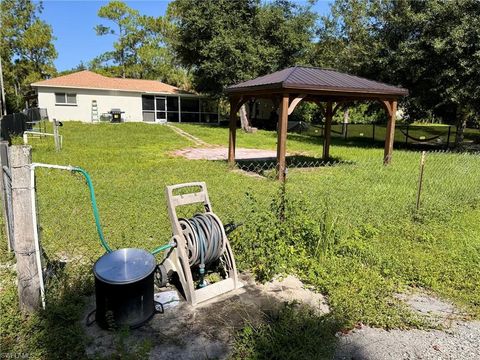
x=201 y=244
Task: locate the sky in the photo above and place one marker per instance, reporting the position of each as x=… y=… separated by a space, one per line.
x=73 y=25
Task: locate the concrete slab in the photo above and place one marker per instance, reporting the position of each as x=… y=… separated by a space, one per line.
x=221 y=153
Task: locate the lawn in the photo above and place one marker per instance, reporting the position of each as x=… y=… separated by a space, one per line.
x=349 y=230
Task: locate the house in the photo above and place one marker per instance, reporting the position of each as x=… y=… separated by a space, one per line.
x=89 y=97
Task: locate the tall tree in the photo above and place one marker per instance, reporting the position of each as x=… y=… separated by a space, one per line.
x=26 y=48
x=224 y=42
x=347 y=36
x=347 y=40
x=126 y=30
x=140 y=50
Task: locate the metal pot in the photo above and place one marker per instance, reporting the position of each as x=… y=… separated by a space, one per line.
x=124 y=288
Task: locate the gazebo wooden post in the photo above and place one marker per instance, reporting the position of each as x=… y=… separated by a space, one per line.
x=328 y=130
x=391 y=107
x=282 y=137
x=232 y=131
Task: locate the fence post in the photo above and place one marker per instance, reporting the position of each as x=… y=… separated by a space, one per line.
x=27 y=270
x=448 y=136
x=4 y=162
x=373 y=133
x=406 y=138
x=420 y=179
x=55 y=135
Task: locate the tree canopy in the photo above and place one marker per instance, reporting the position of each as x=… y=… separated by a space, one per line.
x=430 y=47
x=26 y=49
x=223 y=42
x=433 y=49
x=139 y=50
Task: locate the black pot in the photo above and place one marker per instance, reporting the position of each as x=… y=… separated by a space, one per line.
x=124 y=288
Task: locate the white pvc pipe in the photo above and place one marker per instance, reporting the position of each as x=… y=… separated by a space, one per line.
x=34 y=220
x=52 y=166
x=35 y=235
x=26 y=133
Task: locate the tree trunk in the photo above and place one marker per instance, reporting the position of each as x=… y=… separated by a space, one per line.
x=244 y=120
x=346 y=119
x=461 y=125
x=3 y=101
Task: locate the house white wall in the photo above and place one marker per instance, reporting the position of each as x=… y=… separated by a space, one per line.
x=129 y=102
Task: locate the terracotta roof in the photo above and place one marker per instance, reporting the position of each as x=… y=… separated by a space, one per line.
x=90 y=80
x=318 y=79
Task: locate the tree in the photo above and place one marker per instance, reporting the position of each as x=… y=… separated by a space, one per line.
x=433 y=49
x=80 y=67
x=348 y=36
x=126 y=31
x=140 y=50
x=429 y=47
x=348 y=41
x=224 y=42
x=26 y=48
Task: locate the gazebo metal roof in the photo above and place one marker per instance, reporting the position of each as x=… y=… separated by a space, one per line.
x=289 y=87
x=306 y=78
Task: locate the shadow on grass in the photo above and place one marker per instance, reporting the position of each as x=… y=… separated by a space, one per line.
x=61 y=335
x=267 y=166
x=59 y=331
x=293 y=333
x=272 y=330
x=365 y=143
x=53 y=333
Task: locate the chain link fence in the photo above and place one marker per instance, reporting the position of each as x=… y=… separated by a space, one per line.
x=367 y=192
x=408 y=136
x=133 y=207
x=320 y=201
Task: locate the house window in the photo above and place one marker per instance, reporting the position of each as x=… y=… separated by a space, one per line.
x=65 y=99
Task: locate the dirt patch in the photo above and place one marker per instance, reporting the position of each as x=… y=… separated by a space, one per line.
x=207 y=330
x=437 y=312
x=291 y=289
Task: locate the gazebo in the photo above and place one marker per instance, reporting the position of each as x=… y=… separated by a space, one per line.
x=329 y=89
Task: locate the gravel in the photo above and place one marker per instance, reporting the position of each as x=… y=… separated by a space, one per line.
x=459 y=339
x=460 y=342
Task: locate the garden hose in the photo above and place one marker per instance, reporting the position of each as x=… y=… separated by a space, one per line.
x=96 y=215
x=205 y=238
x=162 y=248
x=94 y=207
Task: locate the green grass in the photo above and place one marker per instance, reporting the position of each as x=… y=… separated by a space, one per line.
x=349 y=230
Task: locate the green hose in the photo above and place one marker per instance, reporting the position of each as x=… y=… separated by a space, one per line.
x=103 y=242
x=161 y=248
x=94 y=207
